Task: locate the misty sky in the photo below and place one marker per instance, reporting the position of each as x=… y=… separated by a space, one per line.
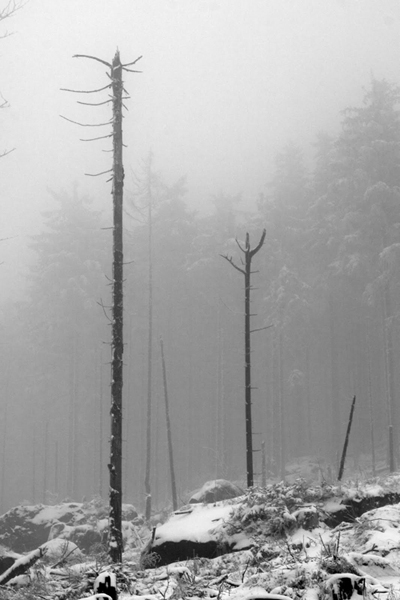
x=225 y=84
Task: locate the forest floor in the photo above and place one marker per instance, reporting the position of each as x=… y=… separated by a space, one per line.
x=303 y=541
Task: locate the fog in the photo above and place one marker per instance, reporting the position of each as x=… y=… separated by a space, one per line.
x=224 y=86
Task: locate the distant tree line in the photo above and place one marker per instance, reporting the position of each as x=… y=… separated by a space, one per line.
x=328 y=281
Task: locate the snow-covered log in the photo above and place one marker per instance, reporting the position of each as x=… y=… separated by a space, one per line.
x=21 y=565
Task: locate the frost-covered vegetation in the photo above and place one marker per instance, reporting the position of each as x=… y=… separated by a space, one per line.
x=290 y=549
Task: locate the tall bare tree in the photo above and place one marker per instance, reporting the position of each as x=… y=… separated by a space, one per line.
x=246 y=271
x=147 y=484
x=115 y=542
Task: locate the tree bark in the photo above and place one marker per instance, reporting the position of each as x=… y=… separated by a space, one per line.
x=115 y=467
x=147 y=483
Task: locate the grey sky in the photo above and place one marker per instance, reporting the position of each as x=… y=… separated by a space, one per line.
x=225 y=84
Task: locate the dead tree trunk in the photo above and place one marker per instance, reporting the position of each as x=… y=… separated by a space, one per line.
x=147 y=484
x=169 y=433
x=115 y=466
x=346 y=441
x=248 y=256
x=263 y=466
x=117 y=343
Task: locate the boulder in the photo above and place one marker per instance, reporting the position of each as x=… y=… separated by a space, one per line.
x=200 y=530
x=84 y=536
x=25 y=528
x=349 y=509
x=129 y=512
x=59 y=549
x=307 y=517
x=216 y=490
x=19 y=530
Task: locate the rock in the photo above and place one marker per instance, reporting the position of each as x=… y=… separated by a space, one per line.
x=129 y=512
x=342 y=586
x=84 y=536
x=7 y=560
x=307 y=517
x=170 y=552
x=25 y=528
x=216 y=490
x=19 y=530
x=57 y=549
x=198 y=531
x=349 y=509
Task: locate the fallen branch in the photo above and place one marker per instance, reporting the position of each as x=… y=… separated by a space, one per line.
x=22 y=565
x=64 y=556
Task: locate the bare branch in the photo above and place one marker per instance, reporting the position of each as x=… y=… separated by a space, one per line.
x=260 y=243
x=261 y=328
x=230 y=260
x=131 y=70
x=133 y=62
x=6 y=152
x=8 y=11
x=98 y=174
x=101 y=137
x=94 y=103
x=104 y=310
x=104 y=62
x=242 y=249
x=4 y=103
x=86 y=91
x=87 y=124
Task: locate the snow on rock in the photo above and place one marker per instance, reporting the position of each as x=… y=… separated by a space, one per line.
x=356 y=503
x=25 y=528
x=198 y=531
x=379 y=530
x=58 y=549
x=216 y=490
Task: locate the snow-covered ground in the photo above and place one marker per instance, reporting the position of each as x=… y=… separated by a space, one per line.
x=289 y=550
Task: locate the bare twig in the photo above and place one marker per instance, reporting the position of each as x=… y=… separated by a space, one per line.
x=100 y=137
x=100 y=60
x=98 y=174
x=104 y=310
x=6 y=152
x=133 y=62
x=87 y=124
x=86 y=91
x=95 y=103
x=230 y=260
x=64 y=556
